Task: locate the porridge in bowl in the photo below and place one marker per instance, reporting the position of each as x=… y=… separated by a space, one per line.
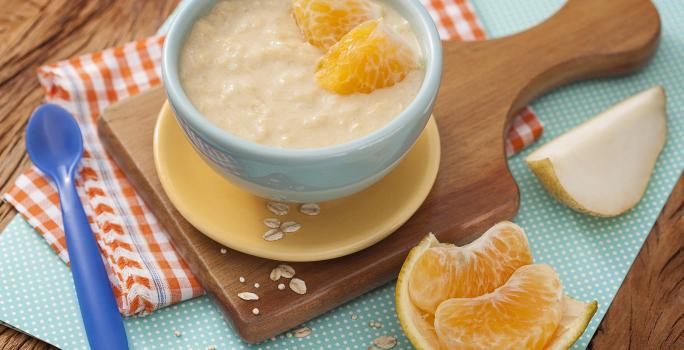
x=276 y=73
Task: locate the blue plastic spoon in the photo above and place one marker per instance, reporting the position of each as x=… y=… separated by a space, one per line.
x=55 y=145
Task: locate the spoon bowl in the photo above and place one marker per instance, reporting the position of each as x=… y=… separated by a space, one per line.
x=53 y=140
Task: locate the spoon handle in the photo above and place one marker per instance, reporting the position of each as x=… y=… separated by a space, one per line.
x=101 y=318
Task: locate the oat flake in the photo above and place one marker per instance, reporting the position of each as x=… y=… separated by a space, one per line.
x=298 y=286
x=290 y=226
x=302 y=332
x=273 y=234
x=279 y=209
x=272 y=223
x=310 y=209
x=275 y=274
x=248 y=296
x=282 y=270
x=286 y=271
x=385 y=342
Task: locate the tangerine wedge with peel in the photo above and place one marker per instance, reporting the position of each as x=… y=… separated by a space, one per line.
x=325 y=22
x=370 y=57
x=517 y=300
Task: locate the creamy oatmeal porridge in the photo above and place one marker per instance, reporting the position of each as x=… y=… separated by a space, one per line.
x=247 y=68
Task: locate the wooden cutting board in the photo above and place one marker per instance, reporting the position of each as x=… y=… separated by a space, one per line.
x=484 y=83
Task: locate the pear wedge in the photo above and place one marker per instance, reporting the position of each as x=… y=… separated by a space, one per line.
x=602 y=167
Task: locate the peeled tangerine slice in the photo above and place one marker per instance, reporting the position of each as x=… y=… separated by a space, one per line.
x=522 y=314
x=369 y=57
x=439 y=283
x=448 y=271
x=325 y=22
x=603 y=166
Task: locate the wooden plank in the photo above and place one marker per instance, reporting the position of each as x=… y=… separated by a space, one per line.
x=648 y=308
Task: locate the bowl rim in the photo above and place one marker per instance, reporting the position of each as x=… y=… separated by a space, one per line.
x=418 y=108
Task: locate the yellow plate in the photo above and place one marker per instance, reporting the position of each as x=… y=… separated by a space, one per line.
x=234 y=217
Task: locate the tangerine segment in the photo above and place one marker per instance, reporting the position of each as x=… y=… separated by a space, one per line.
x=367 y=58
x=522 y=314
x=325 y=22
x=447 y=271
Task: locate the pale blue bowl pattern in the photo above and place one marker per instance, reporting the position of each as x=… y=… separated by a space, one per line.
x=305 y=175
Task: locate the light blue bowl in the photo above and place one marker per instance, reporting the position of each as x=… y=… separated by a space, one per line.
x=305 y=175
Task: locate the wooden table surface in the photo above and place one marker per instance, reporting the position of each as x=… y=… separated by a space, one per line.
x=647 y=313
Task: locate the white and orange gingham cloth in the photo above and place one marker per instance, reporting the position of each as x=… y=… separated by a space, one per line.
x=145 y=270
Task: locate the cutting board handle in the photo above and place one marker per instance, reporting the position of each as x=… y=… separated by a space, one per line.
x=486 y=82
x=585 y=38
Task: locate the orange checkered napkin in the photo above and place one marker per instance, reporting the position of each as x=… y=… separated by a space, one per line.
x=145 y=270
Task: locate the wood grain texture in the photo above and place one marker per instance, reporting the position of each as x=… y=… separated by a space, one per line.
x=648 y=310
x=646 y=314
x=473 y=190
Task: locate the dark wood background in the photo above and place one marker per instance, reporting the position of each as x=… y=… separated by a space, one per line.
x=647 y=313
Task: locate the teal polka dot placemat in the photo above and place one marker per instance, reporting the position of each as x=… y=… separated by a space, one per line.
x=38 y=297
x=591 y=255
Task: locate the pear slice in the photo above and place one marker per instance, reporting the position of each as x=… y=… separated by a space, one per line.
x=602 y=166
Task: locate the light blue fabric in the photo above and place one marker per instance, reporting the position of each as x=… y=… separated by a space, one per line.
x=591 y=255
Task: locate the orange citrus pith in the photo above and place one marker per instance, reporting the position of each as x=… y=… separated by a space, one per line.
x=522 y=314
x=324 y=22
x=486 y=295
x=447 y=271
x=368 y=58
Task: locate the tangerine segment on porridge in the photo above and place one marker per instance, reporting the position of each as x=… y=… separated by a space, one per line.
x=324 y=22
x=247 y=67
